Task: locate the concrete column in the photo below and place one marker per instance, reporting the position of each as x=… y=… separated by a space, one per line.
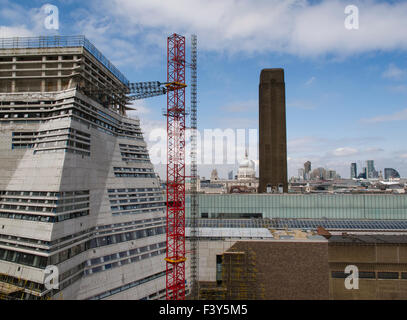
x=43 y=67
x=73 y=71
x=59 y=85
x=13 y=82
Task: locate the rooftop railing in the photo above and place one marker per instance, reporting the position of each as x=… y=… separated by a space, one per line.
x=62 y=42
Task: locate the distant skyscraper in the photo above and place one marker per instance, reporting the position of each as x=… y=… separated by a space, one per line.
x=363 y=174
x=390 y=173
x=331 y=174
x=370 y=169
x=301 y=173
x=307 y=167
x=318 y=174
x=272 y=131
x=353 y=171
x=230 y=175
x=307 y=170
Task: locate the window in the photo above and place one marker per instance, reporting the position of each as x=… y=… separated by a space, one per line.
x=388 y=275
x=339 y=275
x=367 y=275
x=218 y=269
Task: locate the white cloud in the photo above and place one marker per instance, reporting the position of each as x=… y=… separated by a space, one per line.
x=373 y=150
x=141 y=108
x=345 y=151
x=20 y=31
x=404 y=156
x=397 y=116
x=310 y=81
x=20 y=21
x=393 y=72
x=293 y=26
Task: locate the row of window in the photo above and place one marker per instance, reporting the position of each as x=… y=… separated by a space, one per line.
x=127 y=236
x=41 y=218
x=66 y=150
x=124 y=254
x=123 y=169
x=104 y=124
x=44 y=201
x=123 y=262
x=131 y=147
x=34 y=286
x=160 y=209
x=138 y=206
x=133 y=190
x=135 y=175
x=23 y=258
x=139 y=199
x=127 y=156
x=123 y=196
x=109 y=229
x=104 y=241
x=371 y=275
x=44 y=209
x=45 y=193
x=128 y=286
x=107 y=125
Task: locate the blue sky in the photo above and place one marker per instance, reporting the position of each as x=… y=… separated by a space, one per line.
x=346 y=90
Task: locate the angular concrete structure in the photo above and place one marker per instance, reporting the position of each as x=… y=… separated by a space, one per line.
x=77 y=188
x=272 y=132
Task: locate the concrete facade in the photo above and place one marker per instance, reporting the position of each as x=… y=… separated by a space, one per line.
x=77 y=188
x=382 y=266
x=272 y=131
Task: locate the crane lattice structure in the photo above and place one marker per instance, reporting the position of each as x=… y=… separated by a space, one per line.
x=194 y=264
x=175 y=266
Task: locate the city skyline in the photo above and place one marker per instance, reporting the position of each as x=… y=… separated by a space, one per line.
x=203 y=150
x=346 y=92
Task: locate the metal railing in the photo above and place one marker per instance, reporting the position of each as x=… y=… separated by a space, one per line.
x=62 y=42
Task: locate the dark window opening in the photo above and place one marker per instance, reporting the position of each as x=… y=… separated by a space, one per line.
x=388 y=275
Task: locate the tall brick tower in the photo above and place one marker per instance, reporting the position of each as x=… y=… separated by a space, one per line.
x=272 y=132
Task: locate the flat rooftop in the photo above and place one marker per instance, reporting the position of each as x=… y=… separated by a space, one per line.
x=369 y=239
x=62 y=42
x=304 y=224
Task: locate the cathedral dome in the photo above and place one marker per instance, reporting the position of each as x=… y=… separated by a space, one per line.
x=246 y=169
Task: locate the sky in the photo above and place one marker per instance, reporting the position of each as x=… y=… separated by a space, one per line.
x=346 y=89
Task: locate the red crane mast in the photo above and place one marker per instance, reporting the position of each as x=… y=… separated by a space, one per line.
x=175 y=257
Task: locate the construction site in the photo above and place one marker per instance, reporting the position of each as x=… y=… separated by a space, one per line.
x=83 y=214
x=69 y=153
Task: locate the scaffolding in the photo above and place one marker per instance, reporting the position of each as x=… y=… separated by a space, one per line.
x=194 y=175
x=211 y=291
x=240 y=276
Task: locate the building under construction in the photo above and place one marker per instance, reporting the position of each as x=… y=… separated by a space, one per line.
x=77 y=188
